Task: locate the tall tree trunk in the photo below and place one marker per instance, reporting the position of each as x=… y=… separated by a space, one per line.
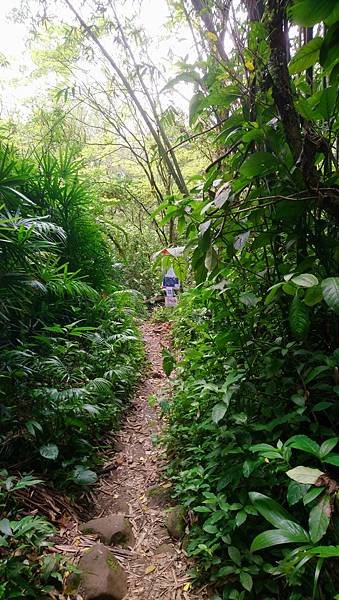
x=281 y=82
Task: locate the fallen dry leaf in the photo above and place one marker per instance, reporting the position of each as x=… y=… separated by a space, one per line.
x=150 y=569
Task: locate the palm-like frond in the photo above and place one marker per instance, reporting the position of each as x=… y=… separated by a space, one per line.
x=99 y=385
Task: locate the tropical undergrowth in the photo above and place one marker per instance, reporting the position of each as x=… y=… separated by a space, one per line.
x=69 y=350
x=253 y=425
x=252 y=439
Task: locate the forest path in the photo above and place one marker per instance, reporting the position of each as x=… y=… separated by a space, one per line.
x=157 y=566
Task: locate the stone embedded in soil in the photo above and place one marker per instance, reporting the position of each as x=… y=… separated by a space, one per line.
x=175 y=522
x=158 y=495
x=165 y=549
x=102 y=577
x=119 y=505
x=114 y=530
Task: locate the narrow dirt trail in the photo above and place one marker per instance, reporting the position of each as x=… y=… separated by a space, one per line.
x=157 y=566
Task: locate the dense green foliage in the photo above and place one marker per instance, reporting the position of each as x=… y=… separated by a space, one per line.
x=249 y=186
x=24 y=571
x=69 y=350
x=253 y=425
x=250 y=406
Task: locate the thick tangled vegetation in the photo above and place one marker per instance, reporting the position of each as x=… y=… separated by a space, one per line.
x=109 y=172
x=253 y=423
x=70 y=351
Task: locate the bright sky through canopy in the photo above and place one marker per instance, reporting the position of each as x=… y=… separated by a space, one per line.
x=13 y=38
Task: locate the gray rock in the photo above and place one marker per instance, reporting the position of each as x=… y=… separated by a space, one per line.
x=158 y=495
x=114 y=530
x=165 y=549
x=102 y=577
x=175 y=522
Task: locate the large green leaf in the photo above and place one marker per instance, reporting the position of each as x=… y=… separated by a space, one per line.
x=299 y=318
x=329 y=51
x=332 y=459
x=310 y=12
x=274 y=537
x=248 y=298
x=211 y=259
x=246 y=580
x=295 y=492
x=333 y=16
x=324 y=551
x=307 y=109
x=304 y=474
x=83 y=476
x=234 y=554
x=303 y=442
x=273 y=512
x=254 y=134
x=306 y=280
x=49 y=451
x=259 y=164
x=312 y=494
x=314 y=373
x=327 y=446
x=273 y=290
x=313 y=296
x=218 y=412
x=330 y=288
x=320 y=517
x=306 y=56
x=327 y=102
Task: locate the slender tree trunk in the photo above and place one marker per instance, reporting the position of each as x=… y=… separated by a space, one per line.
x=281 y=82
x=203 y=10
x=162 y=150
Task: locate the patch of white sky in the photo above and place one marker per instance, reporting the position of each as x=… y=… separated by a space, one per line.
x=19 y=88
x=21 y=91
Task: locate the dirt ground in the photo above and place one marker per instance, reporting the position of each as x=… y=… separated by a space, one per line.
x=157 y=566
